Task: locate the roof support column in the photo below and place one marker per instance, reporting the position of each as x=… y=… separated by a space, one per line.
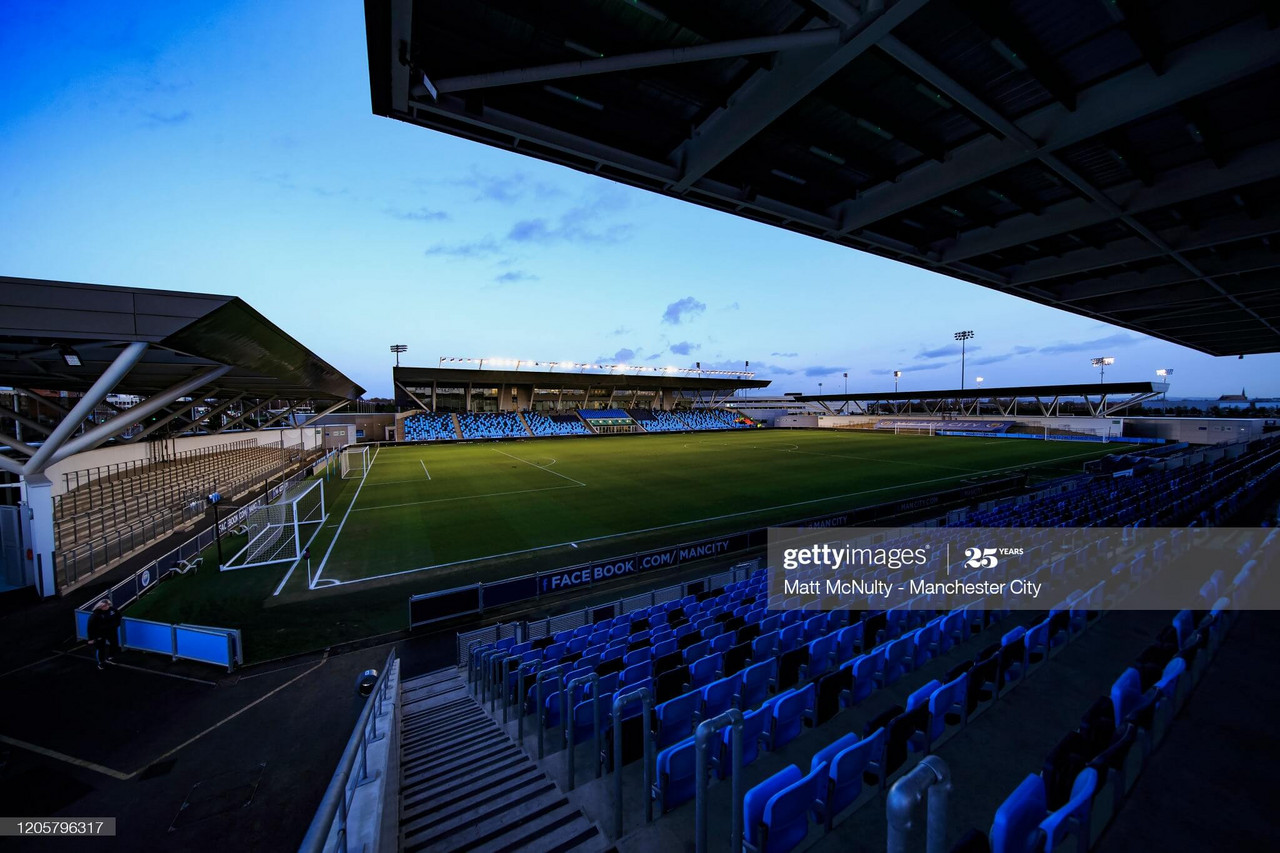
x=110 y=377
x=309 y=421
x=97 y=435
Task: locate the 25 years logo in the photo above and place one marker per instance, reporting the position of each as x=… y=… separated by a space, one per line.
x=981 y=558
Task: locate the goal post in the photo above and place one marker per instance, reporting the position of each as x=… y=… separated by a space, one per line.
x=355 y=461
x=279 y=531
x=898 y=429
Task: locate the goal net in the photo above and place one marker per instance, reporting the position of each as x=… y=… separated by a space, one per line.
x=910 y=430
x=279 y=531
x=355 y=461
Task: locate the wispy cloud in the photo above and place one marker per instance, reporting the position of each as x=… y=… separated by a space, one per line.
x=760 y=368
x=912 y=368
x=506 y=189
x=1119 y=339
x=514 y=277
x=991 y=359
x=157 y=119
x=1023 y=350
x=732 y=306
x=784 y=354
x=582 y=223
x=681 y=310
x=422 y=214
x=684 y=348
x=823 y=370
x=945 y=351
x=483 y=248
x=654 y=357
x=621 y=330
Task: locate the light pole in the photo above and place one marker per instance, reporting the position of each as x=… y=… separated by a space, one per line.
x=397 y=349
x=962 y=337
x=897 y=374
x=1164 y=373
x=1102 y=363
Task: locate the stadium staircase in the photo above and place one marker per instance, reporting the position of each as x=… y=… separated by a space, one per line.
x=524 y=423
x=457 y=427
x=465 y=785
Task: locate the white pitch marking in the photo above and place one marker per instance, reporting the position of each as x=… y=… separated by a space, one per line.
x=464 y=498
x=424 y=469
x=341 y=524
x=539 y=467
x=685 y=523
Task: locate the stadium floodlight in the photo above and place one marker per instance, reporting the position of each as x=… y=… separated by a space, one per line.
x=1102 y=363
x=962 y=337
x=978 y=379
x=1164 y=373
x=397 y=349
x=897 y=374
x=69 y=355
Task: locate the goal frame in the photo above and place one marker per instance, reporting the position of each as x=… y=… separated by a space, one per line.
x=349 y=472
x=293 y=527
x=920 y=430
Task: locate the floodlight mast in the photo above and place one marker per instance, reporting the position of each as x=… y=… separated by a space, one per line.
x=1102 y=362
x=397 y=349
x=897 y=374
x=962 y=337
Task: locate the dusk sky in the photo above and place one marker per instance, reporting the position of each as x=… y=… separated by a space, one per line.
x=230 y=148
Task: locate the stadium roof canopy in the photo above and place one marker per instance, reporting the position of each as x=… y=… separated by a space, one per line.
x=1005 y=401
x=1118 y=159
x=167 y=347
x=412 y=383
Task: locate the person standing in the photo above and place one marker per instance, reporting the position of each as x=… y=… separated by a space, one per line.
x=104 y=634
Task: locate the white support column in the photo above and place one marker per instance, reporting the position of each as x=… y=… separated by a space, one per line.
x=37 y=533
x=97 y=435
x=110 y=377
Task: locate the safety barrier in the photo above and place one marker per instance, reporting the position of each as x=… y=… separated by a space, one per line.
x=219 y=646
x=351 y=812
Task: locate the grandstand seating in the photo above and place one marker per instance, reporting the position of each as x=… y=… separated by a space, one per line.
x=795 y=670
x=495 y=425
x=430 y=427
x=492 y=425
x=540 y=424
x=106 y=517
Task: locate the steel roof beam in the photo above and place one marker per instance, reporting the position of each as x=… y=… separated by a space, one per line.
x=1199 y=68
x=1190 y=182
x=769 y=94
x=802 y=40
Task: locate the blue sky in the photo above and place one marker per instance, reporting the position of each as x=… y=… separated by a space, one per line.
x=230 y=148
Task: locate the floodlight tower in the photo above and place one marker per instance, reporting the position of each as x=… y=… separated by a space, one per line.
x=962 y=337
x=1164 y=373
x=397 y=349
x=1102 y=363
x=897 y=374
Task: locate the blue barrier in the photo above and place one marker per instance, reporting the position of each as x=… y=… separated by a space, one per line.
x=147 y=636
x=208 y=645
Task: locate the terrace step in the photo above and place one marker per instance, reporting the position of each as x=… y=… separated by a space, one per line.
x=465 y=785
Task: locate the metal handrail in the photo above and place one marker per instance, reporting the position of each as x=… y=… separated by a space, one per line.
x=333 y=806
x=930 y=779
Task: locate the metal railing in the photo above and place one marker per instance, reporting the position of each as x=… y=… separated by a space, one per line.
x=329 y=827
x=86 y=559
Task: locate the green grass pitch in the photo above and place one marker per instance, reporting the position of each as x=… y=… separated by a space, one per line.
x=428 y=517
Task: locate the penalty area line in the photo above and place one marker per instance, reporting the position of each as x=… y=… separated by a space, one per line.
x=334 y=541
x=424 y=469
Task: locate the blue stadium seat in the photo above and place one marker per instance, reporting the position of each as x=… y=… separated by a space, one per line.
x=675 y=718
x=705 y=670
x=720 y=696
x=636 y=673
x=1071 y=822
x=790 y=710
x=897 y=657
x=776 y=812
x=848 y=768
x=756 y=681
x=676 y=775
x=1016 y=828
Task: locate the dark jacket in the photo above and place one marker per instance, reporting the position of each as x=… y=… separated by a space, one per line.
x=103 y=624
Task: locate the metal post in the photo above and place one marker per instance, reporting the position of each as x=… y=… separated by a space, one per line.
x=543 y=675
x=620 y=699
x=931 y=778
x=502 y=673
x=527 y=666
x=567 y=721
x=702 y=736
